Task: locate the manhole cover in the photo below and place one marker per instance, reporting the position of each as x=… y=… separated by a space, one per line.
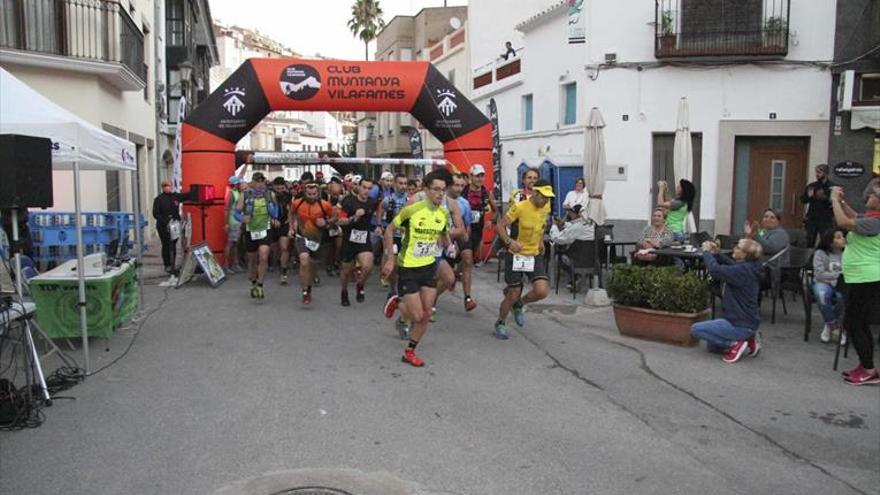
x=312 y=490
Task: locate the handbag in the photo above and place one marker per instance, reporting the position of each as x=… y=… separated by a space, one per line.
x=174 y=229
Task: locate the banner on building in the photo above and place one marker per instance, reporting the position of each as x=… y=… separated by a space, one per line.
x=177 y=170
x=577 y=31
x=496 y=146
x=415 y=143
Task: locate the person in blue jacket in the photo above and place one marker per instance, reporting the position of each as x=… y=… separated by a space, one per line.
x=736 y=332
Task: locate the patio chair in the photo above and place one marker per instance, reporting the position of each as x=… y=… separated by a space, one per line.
x=773 y=273
x=697 y=238
x=580 y=258
x=726 y=241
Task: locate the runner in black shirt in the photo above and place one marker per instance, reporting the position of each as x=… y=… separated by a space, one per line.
x=355 y=217
x=280 y=239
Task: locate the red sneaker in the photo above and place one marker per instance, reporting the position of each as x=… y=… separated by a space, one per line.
x=863 y=377
x=846 y=374
x=469 y=303
x=735 y=352
x=391 y=306
x=754 y=344
x=307 y=297
x=409 y=356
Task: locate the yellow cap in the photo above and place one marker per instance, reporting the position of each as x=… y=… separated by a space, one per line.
x=546 y=191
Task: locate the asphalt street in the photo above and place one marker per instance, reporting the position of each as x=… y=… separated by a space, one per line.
x=221 y=393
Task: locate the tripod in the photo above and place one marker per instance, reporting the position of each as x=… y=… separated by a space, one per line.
x=26 y=323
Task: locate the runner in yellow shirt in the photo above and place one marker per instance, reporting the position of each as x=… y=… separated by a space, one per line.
x=425 y=234
x=524 y=257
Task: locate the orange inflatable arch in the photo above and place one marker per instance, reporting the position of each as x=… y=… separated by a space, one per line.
x=261 y=86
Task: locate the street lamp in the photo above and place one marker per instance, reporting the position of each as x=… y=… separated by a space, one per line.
x=186 y=71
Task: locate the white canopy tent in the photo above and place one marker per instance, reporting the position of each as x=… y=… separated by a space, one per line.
x=76 y=145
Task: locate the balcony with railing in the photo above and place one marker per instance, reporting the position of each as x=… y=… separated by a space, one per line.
x=487 y=77
x=747 y=29
x=90 y=36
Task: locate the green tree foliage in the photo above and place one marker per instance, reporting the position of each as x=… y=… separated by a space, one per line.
x=366 y=22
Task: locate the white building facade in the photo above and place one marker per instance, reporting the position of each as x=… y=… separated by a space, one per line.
x=282 y=130
x=759 y=120
x=101 y=68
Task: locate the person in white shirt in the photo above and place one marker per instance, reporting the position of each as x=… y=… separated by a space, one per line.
x=579 y=196
x=575 y=227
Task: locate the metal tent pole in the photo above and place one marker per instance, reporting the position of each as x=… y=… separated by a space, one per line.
x=83 y=321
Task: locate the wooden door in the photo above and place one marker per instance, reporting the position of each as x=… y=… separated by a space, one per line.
x=777 y=176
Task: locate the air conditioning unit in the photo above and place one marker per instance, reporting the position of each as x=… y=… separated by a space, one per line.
x=845 y=89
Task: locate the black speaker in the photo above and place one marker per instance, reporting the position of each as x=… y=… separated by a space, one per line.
x=25 y=171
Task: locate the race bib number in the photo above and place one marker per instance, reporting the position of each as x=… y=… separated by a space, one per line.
x=358 y=236
x=523 y=263
x=476 y=216
x=333 y=232
x=261 y=234
x=425 y=249
x=312 y=245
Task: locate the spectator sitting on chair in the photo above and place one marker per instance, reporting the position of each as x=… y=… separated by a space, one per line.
x=655 y=236
x=827 y=269
x=509 y=51
x=817 y=197
x=771 y=236
x=575 y=227
x=735 y=333
x=578 y=197
x=861 y=272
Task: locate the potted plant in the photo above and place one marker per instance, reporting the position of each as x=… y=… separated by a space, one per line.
x=667 y=36
x=774 y=32
x=658 y=303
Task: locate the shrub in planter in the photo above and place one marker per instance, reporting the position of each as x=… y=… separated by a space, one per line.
x=657 y=303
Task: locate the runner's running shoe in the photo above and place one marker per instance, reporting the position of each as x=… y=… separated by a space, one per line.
x=519 y=315
x=307 y=297
x=500 y=330
x=283 y=279
x=345 y=301
x=409 y=356
x=391 y=305
x=469 y=303
x=359 y=294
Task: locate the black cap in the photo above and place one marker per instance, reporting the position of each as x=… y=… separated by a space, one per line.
x=258 y=176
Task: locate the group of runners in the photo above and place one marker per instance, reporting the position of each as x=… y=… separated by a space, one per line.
x=426 y=235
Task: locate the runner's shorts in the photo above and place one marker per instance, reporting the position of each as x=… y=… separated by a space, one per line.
x=350 y=250
x=513 y=279
x=410 y=280
x=476 y=239
x=279 y=232
x=299 y=243
x=254 y=245
x=232 y=233
x=460 y=245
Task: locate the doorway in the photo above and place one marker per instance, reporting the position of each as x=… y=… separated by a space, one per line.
x=770 y=173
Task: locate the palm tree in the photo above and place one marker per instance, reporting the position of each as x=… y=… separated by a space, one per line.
x=366 y=22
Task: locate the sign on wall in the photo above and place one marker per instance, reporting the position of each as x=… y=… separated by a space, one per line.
x=577 y=30
x=849 y=170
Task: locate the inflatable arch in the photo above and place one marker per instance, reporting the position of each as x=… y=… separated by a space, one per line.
x=261 y=86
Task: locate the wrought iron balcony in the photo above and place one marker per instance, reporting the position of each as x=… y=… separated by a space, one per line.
x=93 y=36
x=745 y=29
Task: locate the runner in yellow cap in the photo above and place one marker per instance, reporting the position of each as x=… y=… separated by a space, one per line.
x=525 y=255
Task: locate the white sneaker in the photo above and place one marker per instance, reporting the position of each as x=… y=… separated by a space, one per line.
x=836 y=334
x=825 y=336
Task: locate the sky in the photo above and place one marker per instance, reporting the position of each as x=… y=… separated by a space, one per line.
x=312 y=27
